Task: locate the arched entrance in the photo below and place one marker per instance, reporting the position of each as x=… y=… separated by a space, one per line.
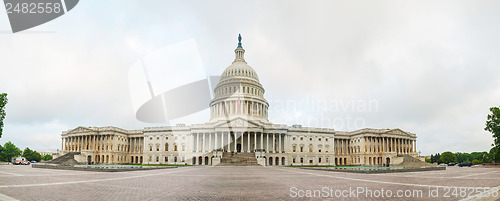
x=283 y=161
x=388 y=161
x=270 y=160
x=200 y=160
x=89 y=159
x=141 y=160
x=193 y=161
x=277 y=161
x=206 y=160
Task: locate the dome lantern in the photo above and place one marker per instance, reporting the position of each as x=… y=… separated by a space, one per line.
x=239 y=52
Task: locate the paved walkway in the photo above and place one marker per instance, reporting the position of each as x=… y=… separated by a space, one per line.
x=241 y=183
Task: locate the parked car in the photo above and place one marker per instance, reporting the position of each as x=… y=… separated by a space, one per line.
x=452 y=164
x=468 y=164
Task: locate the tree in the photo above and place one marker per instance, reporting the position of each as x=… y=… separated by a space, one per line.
x=31 y=155
x=3 y=102
x=475 y=162
x=447 y=157
x=493 y=156
x=1 y=154
x=493 y=126
x=47 y=157
x=9 y=151
x=27 y=153
x=36 y=156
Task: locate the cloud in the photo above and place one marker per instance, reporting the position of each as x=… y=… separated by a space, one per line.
x=430 y=66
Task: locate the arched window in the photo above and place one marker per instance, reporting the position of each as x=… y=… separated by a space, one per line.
x=166 y=146
x=166 y=159
x=175 y=147
x=301 y=148
x=319 y=148
x=294 y=148
x=310 y=148
x=175 y=159
x=150 y=147
x=157 y=147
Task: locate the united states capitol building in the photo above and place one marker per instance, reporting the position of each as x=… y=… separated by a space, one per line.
x=238 y=132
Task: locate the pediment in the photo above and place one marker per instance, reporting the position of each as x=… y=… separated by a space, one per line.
x=237 y=123
x=81 y=129
x=398 y=131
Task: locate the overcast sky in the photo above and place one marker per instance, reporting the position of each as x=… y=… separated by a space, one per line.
x=430 y=68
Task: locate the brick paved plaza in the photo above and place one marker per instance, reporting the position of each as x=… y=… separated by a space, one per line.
x=235 y=183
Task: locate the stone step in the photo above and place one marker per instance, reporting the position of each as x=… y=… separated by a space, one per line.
x=238 y=159
x=65 y=159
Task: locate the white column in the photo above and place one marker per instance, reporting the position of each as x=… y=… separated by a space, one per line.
x=229 y=148
x=279 y=143
x=267 y=143
x=242 y=133
x=210 y=142
x=274 y=143
x=248 y=142
x=202 y=142
x=222 y=140
x=197 y=142
x=255 y=140
x=216 y=138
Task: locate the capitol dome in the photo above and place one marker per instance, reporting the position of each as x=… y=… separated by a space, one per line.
x=239 y=92
x=241 y=69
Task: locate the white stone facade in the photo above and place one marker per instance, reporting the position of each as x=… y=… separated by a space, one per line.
x=238 y=123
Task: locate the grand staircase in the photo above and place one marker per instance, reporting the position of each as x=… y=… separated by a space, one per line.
x=410 y=161
x=238 y=159
x=66 y=159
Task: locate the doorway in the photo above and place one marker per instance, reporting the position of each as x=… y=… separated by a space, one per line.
x=238 y=148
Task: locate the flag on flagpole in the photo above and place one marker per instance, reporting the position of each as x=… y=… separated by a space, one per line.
x=238 y=101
